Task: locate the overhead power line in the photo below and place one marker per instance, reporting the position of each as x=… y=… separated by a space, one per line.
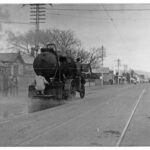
x=115 y=26
x=15 y=22
x=98 y=18
x=112 y=21
x=90 y=10
x=86 y=17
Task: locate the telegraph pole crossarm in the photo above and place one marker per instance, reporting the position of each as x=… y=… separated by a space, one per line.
x=37 y=16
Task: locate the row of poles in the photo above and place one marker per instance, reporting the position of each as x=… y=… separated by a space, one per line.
x=103 y=51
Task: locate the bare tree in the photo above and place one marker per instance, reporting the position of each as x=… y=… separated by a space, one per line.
x=64 y=40
x=83 y=54
x=95 y=57
x=19 y=41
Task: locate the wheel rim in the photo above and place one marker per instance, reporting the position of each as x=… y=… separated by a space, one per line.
x=82 y=93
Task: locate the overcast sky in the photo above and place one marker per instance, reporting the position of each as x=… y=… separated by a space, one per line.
x=124 y=30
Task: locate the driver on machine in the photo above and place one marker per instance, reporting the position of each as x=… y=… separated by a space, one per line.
x=51 y=47
x=40 y=82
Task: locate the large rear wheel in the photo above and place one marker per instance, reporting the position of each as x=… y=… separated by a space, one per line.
x=82 y=91
x=73 y=89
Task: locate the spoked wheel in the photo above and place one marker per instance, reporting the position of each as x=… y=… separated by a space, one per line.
x=82 y=92
x=73 y=89
x=70 y=91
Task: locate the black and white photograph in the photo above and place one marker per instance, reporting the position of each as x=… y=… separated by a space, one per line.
x=74 y=74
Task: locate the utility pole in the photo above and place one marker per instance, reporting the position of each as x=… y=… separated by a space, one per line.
x=37 y=16
x=103 y=51
x=118 y=64
x=125 y=68
x=103 y=54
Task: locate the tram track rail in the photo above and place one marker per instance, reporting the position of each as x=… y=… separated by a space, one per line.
x=23 y=114
x=125 y=129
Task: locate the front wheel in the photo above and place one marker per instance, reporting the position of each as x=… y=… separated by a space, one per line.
x=82 y=92
x=73 y=89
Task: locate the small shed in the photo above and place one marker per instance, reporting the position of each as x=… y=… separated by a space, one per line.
x=13 y=61
x=3 y=69
x=18 y=63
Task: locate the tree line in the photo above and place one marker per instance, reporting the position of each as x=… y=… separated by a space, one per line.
x=65 y=40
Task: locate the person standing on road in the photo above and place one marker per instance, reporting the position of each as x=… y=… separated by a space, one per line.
x=5 y=84
x=10 y=85
x=15 y=85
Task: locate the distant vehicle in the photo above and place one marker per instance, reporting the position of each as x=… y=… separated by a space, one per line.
x=108 y=78
x=133 y=80
x=146 y=81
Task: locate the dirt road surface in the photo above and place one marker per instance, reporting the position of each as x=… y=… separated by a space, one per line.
x=97 y=120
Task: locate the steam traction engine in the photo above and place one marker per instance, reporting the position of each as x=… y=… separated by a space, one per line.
x=61 y=73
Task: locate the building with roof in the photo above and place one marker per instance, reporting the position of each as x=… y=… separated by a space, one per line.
x=18 y=63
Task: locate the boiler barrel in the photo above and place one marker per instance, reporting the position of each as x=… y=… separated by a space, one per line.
x=45 y=64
